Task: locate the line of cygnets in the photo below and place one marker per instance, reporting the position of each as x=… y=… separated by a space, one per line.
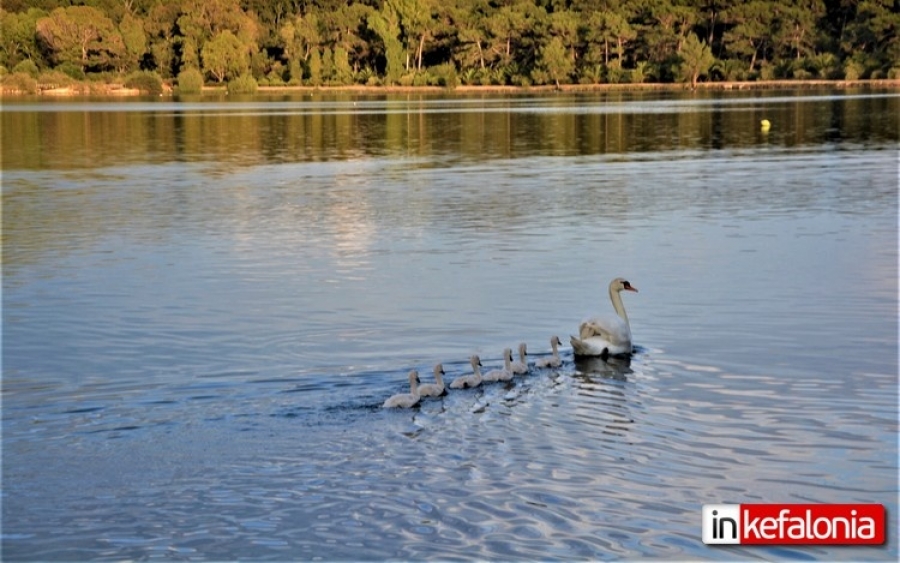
x=474 y=379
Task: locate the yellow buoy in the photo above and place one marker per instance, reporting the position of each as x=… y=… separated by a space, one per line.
x=764 y=124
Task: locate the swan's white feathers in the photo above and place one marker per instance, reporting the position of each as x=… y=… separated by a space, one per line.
x=471 y=380
x=504 y=374
x=405 y=400
x=611 y=329
x=596 y=346
x=434 y=389
x=604 y=336
x=521 y=366
x=553 y=361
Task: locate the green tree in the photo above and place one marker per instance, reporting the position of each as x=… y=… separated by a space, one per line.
x=300 y=36
x=555 y=61
x=134 y=40
x=795 y=27
x=467 y=18
x=750 y=33
x=696 y=60
x=513 y=27
x=416 y=26
x=200 y=22
x=564 y=24
x=386 y=24
x=516 y=32
x=327 y=65
x=662 y=26
x=163 y=37
x=225 y=57
x=190 y=81
x=346 y=26
x=82 y=36
x=608 y=31
x=18 y=40
x=315 y=68
x=873 y=33
x=342 y=72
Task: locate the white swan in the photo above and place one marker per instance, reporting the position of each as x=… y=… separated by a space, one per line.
x=504 y=374
x=471 y=380
x=606 y=336
x=405 y=400
x=434 y=389
x=522 y=365
x=553 y=361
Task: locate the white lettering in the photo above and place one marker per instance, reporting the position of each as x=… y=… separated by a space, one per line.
x=815 y=533
x=836 y=522
x=868 y=524
x=767 y=527
x=797 y=529
x=750 y=526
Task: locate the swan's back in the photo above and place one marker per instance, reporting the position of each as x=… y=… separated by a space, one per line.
x=405 y=400
x=504 y=374
x=521 y=366
x=471 y=380
x=599 y=346
x=553 y=361
x=611 y=329
x=434 y=389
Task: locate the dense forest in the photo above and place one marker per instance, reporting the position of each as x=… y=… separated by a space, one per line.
x=447 y=42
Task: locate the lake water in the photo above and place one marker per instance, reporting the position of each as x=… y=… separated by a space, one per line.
x=206 y=302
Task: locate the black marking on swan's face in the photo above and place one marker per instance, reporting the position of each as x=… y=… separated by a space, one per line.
x=626 y=285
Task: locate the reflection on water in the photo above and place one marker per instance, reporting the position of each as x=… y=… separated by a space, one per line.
x=334 y=127
x=205 y=305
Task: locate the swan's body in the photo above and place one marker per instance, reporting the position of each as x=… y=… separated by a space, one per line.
x=434 y=389
x=553 y=361
x=405 y=400
x=471 y=380
x=504 y=374
x=606 y=336
x=521 y=366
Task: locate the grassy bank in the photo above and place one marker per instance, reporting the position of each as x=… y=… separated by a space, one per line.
x=87 y=89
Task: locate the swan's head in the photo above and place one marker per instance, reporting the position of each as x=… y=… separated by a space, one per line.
x=621 y=284
x=507 y=354
x=522 y=350
x=439 y=369
x=555 y=340
x=475 y=361
x=413 y=376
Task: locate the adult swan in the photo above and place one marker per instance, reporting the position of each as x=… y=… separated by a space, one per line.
x=606 y=336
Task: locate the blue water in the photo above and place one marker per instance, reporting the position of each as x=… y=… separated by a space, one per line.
x=196 y=344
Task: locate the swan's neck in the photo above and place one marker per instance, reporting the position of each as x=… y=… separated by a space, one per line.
x=439 y=378
x=555 y=351
x=507 y=362
x=616 y=299
x=413 y=387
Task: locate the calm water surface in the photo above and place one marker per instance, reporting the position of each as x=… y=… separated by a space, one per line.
x=205 y=303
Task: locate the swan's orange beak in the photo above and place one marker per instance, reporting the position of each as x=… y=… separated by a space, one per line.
x=628 y=287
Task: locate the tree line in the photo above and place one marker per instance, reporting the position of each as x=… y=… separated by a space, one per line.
x=451 y=42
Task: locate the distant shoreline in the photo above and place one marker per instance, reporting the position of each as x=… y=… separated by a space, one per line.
x=88 y=90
